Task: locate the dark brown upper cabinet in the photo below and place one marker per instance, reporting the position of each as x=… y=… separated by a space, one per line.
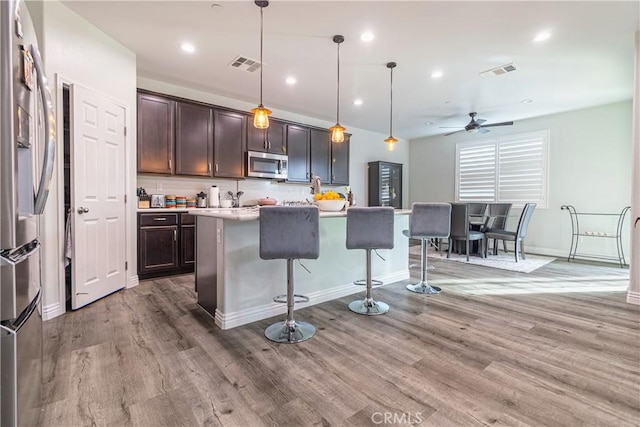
x=194 y=140
x=156 y=134
x=230 y=134
x=321 y=155
x=298 y=149
x=340 y=162
x=271 y=140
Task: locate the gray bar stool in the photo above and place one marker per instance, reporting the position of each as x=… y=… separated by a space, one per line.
x=369 y=229
x=289 y=232
x=428 y=221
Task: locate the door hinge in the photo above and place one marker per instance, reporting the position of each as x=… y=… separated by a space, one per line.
x=125 y=198
x=126 y=265
x=125 y=131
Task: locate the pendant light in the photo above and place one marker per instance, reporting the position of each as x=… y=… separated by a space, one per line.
x=261 y=114
x=391 y=141
x=337 y=130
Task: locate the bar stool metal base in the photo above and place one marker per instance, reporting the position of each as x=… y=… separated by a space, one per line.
x=423 y=288
x=369 y=308
x=289 y=332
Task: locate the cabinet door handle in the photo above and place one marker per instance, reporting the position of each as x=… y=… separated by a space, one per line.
x=169 y=164
x=209 y=167
x=175 y=235
x=159 y=219
x=333 y=177
x=307 y=175
x=264 y=144
x=268 y=145
x=216 y=168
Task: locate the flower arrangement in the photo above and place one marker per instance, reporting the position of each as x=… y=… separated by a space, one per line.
x=327 y=195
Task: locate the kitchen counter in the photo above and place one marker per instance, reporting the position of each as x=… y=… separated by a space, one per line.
x=236 y=287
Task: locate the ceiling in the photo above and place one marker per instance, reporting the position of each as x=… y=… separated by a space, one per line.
x=587 y=61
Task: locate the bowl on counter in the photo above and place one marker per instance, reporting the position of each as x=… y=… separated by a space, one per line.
x=330 y=205
x=267 y=201
x=226 y=203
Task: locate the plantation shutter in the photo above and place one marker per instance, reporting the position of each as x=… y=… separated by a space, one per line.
x=522 y=164
x=476 y=178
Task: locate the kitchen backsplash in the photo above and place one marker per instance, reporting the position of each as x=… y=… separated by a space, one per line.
x=253 y=189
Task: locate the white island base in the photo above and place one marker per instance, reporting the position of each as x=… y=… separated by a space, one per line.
x=236 y=287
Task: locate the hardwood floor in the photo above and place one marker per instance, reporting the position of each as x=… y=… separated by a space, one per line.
x=556 y=351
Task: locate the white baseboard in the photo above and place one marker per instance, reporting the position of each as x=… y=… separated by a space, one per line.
x=239 y=318
x=633 y=297
x=52 y=311
x=133 y=281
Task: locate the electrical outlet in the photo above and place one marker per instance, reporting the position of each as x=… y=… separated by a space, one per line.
x=158 y=186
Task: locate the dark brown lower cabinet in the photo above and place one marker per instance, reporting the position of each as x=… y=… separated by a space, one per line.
x=166 y=244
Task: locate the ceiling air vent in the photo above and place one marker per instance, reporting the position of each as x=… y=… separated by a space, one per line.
x=246 y=64
x=504 y=69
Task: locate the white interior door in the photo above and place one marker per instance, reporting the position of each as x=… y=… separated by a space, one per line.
x=97 y=196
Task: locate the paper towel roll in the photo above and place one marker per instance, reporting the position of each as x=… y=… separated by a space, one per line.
x=214 y=197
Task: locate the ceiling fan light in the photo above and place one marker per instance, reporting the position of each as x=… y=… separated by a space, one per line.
x=473 y=130
x=337 y=133
x=261 y=117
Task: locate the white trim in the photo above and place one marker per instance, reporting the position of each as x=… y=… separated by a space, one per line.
x=239 y=318
x=633 y=297
x=133 y=281
x=52 y=311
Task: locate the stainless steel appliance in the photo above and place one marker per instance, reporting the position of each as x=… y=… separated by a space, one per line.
x=267 y=165
x=27 y=150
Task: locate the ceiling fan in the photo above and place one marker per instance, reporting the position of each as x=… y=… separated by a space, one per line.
x=477 y=125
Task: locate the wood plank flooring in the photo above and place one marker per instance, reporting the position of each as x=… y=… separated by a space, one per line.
x=476 y=354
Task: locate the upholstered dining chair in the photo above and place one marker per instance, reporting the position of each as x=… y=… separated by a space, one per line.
x=460 y=230
x=498 y=213
x=514 y=236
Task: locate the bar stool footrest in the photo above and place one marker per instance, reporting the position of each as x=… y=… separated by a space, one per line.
x=363 y=282
x=283 y=299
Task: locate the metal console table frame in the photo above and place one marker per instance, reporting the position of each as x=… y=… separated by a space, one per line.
x=576 y=234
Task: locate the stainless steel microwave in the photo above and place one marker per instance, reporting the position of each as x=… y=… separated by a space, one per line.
x=267 y=165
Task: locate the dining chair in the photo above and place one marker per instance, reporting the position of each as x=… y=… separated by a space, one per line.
x=497 y=213
x=460 y=229
x=514 y=236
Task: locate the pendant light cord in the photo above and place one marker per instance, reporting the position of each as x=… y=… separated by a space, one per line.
x=261 y=43
x=391 y=112
x=338 y=96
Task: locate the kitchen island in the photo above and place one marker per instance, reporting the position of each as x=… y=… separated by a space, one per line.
x=236 y=287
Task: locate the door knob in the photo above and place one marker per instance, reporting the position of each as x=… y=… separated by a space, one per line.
x=82 y=210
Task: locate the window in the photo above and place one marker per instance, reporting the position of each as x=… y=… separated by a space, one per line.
x=506 y=169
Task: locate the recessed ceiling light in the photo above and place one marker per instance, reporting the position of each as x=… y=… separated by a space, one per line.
x=542 y=36
x=357 y=101
x=447 y=102
x=366 y=37
x=436 y=74
x=188 y=47
x=291 y=80
x=429 y=123
x=526 y=101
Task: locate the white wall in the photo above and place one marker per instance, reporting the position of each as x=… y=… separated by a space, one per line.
x=633 y=296
x=76 y=51
x=589 y=167
x=365 y=147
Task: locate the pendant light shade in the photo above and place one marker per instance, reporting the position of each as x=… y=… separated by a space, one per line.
x=391 y=141
x=337 y=130
x=260 y=113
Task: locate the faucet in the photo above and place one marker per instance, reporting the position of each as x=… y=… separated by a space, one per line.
x=235 y=198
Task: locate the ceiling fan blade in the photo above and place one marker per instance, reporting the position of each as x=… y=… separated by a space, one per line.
x=498 y=124
x=451 y=133
x=483 y=130
x=451 y=127
x=480 y=121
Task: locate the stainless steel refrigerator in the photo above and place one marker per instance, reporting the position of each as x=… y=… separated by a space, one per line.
x=27 y=149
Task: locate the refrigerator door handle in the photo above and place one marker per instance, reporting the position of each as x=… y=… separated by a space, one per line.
x=17 y=256
x=50 y=129
x=13 y=326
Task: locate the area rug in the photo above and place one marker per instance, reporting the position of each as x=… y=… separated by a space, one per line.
x=502 y=261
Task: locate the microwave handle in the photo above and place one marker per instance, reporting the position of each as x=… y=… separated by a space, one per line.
x=50 y=130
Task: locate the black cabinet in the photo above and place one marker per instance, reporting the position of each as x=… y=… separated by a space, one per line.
x=229 y=143
x=298 y=148
x=166 y=244
x=321 y=155
x=194 y=140
x=156 y=134
x=385 y=184
x=340 y=162
x=271 y=140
